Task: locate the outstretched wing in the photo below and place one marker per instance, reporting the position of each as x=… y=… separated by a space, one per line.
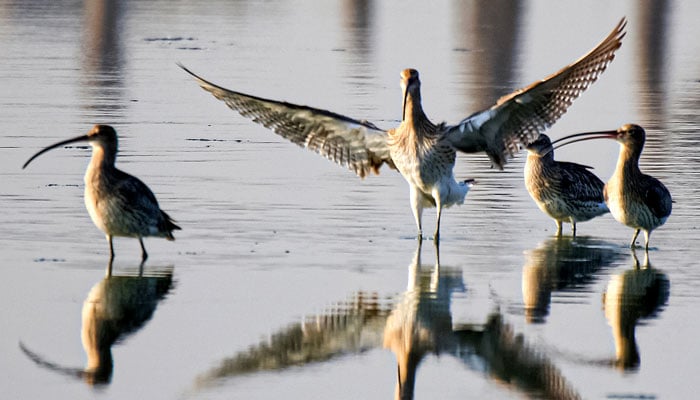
x=518 y=118
x=358 y=145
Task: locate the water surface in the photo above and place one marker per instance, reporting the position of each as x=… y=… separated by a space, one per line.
x=291 y=277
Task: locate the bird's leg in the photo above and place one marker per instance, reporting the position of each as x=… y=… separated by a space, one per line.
x=111 y=250
x=435 y=276
x=414 y=268
x=109 y=268
x=634 y=238
x=634 y=257
x=646 y=240
x=559 y=224
x=417 y=207
x=437 y=223
x=144 y=255
x=438 y=207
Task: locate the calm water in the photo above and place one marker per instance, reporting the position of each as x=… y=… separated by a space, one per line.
x=291 y=277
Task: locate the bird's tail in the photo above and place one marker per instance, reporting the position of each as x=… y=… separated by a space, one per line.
x=168 y=226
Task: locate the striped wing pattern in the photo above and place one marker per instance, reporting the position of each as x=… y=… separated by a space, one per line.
x=358 y=145
x=518 y=118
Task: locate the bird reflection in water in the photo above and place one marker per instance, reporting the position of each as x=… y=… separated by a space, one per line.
x=561 y=264
x=117 y=306
x=421 y=321
x=421 y=324
x=414 y=326
x=636 y=294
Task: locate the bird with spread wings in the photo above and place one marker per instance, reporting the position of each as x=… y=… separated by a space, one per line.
x=424 y=152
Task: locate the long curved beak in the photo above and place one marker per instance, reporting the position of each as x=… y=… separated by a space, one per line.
x=580 y=137
x=53 y=146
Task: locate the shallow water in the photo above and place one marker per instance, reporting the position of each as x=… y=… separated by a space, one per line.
x=291 y=277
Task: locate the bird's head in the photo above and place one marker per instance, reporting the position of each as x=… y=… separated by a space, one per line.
x=540 y=146
x=630 y=136
x=103 y=136
x=410 y=85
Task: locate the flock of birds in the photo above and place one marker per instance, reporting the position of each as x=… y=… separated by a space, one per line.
x=422 y=151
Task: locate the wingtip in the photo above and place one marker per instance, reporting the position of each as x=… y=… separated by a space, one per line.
x=623 y=23
x=192 y=74
x=181 y=65
x=205 y=84
x=620 y=30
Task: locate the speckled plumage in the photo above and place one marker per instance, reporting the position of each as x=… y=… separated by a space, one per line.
x=635 y=199
x=566 y=191
x=424 y=156
x=119 y=204
x=424 y=152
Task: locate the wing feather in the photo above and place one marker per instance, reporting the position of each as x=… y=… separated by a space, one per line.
x=357 y=145
x=658 y=198
x=519 y=117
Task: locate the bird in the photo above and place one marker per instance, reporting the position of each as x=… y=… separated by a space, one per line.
x=118 y=203
x=422 y=151
x=566 y=191
x=635 y=199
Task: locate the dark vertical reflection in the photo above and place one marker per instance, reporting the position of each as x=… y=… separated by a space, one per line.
x=102 y=60
x=487 y=32
x=652 y=44
x=653 y=82
x=357 y=19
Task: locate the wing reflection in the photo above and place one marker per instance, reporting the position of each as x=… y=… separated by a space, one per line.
x=115 y=307
x=561 y=263
x=418 y=324
x=635 y=294
x=347 y=328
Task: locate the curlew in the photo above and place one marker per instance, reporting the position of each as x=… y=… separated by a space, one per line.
x=635 y=199
x=424 y=152
x=566 y=191
x=118 y=203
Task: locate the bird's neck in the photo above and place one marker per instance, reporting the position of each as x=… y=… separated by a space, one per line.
x=415 y=123
x=413 y=110
x=102 y=158
x=628 y=162
x=101 y=161
x=546 y=159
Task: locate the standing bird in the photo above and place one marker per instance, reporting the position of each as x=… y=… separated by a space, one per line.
x=635 y=199
x=118 y=203
x=566 y=191
x=422 y=151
